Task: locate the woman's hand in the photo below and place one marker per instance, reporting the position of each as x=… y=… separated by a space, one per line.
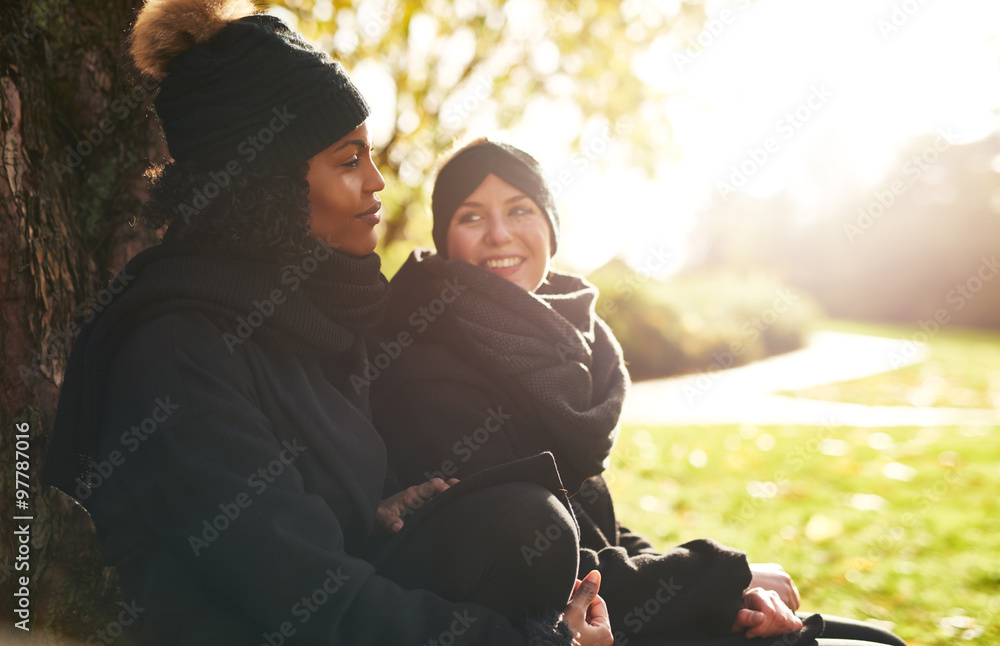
x=772 y=576
x=390 y=512
x=587 y=614
x=764 y=615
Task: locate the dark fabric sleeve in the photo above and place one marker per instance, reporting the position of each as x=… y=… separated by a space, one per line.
x=599 y=527
x=274 y=555
x=634 y=543
x=695 y=588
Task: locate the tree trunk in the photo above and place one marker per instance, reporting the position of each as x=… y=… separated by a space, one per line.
x=75 y=136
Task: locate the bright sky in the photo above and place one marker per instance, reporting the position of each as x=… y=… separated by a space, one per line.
x=872 y=87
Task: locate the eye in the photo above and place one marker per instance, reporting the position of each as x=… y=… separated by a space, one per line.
x=353 y=162
x=522 y=210
x=468 y=217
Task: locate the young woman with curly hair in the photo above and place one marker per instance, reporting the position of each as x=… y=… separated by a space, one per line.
x=207 y=421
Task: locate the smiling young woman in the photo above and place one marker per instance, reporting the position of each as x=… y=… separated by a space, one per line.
x=502 y=230
x=518 y=363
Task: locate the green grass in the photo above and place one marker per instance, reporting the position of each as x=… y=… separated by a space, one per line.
x=962 y=371
x=900 y=525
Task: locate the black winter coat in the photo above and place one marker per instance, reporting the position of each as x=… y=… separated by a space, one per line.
x=235 y=487
x=242 y=511
x=445 y=410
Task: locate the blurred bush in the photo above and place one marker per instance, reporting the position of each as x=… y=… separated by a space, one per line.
x=701 y=321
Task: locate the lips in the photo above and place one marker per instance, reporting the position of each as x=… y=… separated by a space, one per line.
x=372 y=214
x=503 y=265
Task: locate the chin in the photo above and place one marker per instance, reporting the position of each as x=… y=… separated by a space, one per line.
x=522 y=283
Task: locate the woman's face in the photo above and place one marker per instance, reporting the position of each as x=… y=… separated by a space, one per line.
x=343 y=206
x=502 y=230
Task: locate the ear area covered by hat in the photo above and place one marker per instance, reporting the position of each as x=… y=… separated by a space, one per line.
x=165 y=28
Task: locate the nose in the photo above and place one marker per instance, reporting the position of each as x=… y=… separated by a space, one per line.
x=498 y=233
x=375 y=181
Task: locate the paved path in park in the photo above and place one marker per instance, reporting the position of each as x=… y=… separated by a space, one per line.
x=746 y=394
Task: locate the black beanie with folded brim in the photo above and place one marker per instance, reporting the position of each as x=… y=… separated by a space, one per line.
x=462 y=174
x=240 y=90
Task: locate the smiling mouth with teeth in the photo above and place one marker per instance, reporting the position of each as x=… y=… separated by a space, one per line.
x=499 y=263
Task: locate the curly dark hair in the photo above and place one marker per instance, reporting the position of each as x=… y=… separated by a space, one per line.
x=248 y=214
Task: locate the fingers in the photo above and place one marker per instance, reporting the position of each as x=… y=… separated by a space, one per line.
x=439 y=485
x=418 y=494
x=590 y=585
x=747 y=618
x=763 y=602
x=785 y=587
x=410 y=499
x=390 y=511
x=777 y=618
x=432 y=487
x=387 y=517
x=584 y=595
x=435 y=486
x=598 y=629
x=587 y=613
x=597 y=611
x=772 y=576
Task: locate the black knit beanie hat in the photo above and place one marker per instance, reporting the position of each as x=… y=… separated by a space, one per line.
x=240 y=90
x=466 y=170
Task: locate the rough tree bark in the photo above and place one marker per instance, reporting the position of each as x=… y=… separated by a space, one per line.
x=75 y=135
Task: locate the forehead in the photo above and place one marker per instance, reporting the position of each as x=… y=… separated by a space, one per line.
x=361 y=132
x=350 y=142
x=494 y=188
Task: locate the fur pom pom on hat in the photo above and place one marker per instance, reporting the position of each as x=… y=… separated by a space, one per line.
x=166 y=28
x=239 y=89
x=466 y=169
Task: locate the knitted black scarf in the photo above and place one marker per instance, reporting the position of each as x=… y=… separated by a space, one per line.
x=551 y=342
x=317 y=305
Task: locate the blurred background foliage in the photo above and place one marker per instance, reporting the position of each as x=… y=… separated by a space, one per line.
x=880 y=255
x=451 y=71
x=700 y=321
x=455 y=70
x=448 y=60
